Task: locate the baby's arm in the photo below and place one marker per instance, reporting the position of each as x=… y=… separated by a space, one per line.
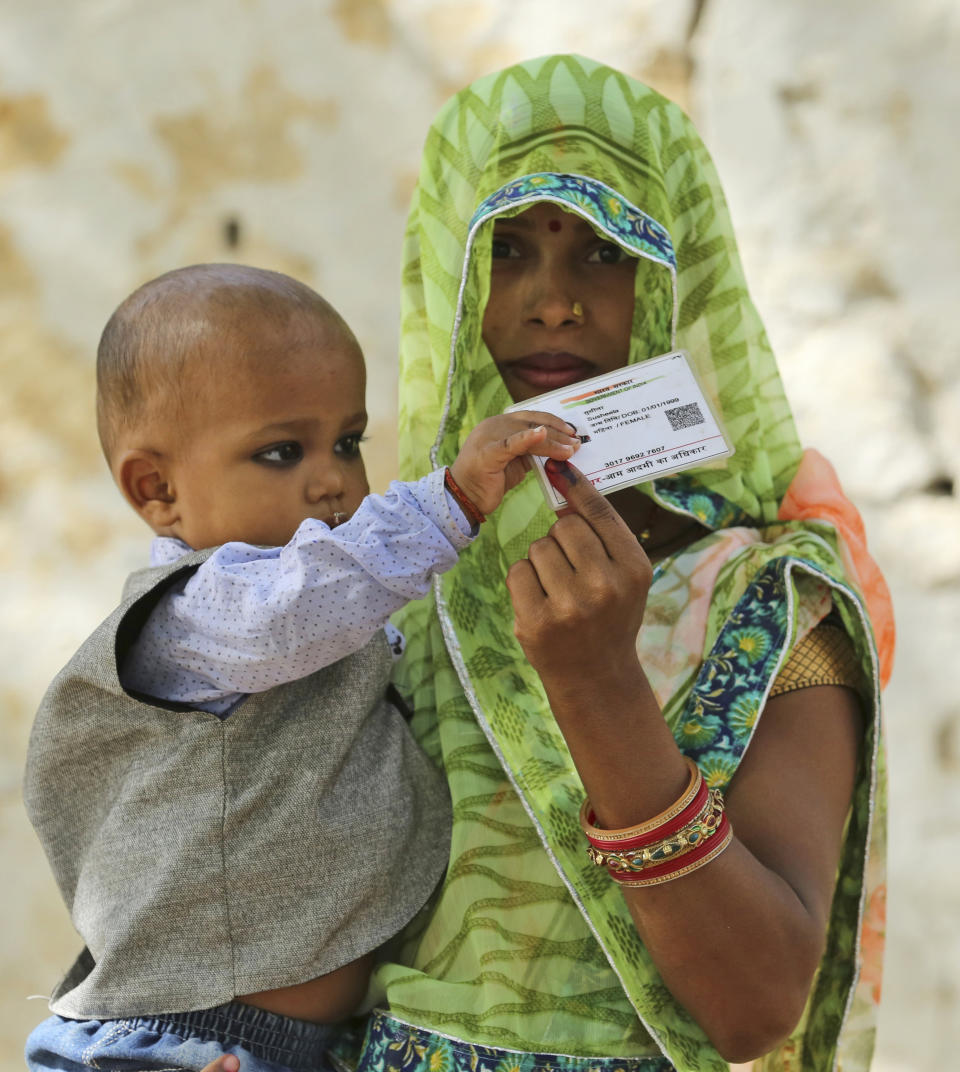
x=251 y=618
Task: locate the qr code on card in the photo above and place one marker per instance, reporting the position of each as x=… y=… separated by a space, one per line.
x=684 y=416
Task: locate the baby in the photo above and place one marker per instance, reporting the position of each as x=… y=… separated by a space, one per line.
x=234 y=809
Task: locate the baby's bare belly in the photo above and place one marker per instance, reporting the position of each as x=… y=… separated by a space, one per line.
x=322 y=1000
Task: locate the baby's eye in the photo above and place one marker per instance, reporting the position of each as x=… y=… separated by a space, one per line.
x=280 y=454
x=349 y=445
x=609 y=253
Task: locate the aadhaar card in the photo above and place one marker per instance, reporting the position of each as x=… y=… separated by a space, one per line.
x=636 y=423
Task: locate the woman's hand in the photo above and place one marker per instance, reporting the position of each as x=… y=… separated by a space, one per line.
x=494 y=457
x=579 y=596
x=578 y=601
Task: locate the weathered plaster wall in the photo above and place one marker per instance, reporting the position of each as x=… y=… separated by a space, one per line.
x=830 y=127
x=135 y=137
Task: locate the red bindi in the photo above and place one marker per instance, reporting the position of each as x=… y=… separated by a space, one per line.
x=555 y=225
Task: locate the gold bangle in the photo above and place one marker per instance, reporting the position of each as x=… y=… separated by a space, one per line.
x=595 y=833
x=723 y=841
x=699 y=830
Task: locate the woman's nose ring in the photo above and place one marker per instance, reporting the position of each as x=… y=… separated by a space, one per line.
x=577 y=310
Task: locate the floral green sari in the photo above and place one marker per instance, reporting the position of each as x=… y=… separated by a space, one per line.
x=527 y=946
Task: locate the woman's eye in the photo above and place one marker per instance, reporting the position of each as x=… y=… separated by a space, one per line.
x=349 y=445
x=609 y=253
x=502 y=248
x=280 y=454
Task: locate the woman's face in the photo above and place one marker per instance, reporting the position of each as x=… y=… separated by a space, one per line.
x=561 y=301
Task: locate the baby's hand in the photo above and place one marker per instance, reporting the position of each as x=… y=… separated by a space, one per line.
x=227 y=1063
x=493 y=458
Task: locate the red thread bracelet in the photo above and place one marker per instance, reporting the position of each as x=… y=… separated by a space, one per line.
x=474 y=515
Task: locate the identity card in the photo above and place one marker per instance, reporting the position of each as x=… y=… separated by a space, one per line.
x=636 y=423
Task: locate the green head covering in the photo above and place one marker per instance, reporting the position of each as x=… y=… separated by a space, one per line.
x=529 y=134
x=571 y=131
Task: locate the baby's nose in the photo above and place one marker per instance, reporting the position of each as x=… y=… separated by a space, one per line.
x=325 y=482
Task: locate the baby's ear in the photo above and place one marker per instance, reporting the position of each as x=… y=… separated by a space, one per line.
x=144 y=479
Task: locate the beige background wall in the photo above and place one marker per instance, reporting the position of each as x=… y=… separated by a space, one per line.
x=135 y=137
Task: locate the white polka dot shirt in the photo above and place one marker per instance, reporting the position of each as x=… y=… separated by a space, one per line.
x=251 y=618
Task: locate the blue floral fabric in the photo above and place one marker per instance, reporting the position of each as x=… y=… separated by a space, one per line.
x=603 y=206
x=393 y=1046
x=720 y=716
x=686 y=495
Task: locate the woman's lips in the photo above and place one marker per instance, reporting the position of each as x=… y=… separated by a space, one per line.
x=546 y=371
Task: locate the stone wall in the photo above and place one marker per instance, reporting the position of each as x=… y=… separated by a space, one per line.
x=136 y=137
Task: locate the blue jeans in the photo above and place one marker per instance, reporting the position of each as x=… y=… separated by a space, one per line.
x=263 y=1041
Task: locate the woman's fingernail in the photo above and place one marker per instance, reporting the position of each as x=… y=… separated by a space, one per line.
x=572 y=427
x=559 y=474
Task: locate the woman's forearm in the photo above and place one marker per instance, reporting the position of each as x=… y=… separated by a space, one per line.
x=623 y=749
x=737 y=941
x=736 y=946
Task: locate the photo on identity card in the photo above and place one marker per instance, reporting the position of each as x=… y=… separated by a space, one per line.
x=636 y=423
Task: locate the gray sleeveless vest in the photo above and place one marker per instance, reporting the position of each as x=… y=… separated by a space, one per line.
x=205 y=857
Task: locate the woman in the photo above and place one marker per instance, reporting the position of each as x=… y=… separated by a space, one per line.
x=568 y=221
x=515 y=267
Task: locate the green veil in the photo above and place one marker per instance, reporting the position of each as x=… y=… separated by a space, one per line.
x=566 y=129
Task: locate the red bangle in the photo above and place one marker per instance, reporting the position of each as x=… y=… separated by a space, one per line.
x=709 y=849
x=683 y=838
x=701 y=828
x=628 y=836
x=474 y=515
x=664 y=830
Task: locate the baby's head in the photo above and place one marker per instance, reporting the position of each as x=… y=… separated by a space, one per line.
x=230 y=406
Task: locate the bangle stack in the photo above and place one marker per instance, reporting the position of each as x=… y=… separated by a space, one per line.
x=693 y=831
x=473 y=513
